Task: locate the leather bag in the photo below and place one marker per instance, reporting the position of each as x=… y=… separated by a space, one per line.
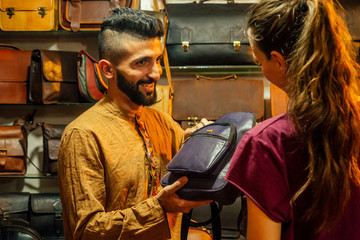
x=197 y=96
x=46 y=215
x=51 y=141
x=205 y=158
x=53 y=77
x=92 y=84
x=13 y=150
x=14 y=74
x=208 y=34
x=87 y=15
x=18 y=15
x=14 y=214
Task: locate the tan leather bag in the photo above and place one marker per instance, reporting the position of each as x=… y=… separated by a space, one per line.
x=19 y=15
x=13 y=150
x=14 y=74
x=87 y=15
x=197 y=96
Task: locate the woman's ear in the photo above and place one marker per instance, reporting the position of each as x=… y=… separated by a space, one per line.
x=279 y=60
x=106 y=68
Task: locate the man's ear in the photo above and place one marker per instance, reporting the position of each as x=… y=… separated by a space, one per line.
x=106 y=68
x=278 y=59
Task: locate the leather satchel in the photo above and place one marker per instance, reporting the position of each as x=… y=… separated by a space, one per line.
x=19 y=15
x=87 y=15
x=46 y=215
x=205 y=158
x=197 y=96
x=92 y=84
x=14 y=217
x=208 y=34
x=53 y=77
x=14 y=74
x=13 y=150
x=51 y=141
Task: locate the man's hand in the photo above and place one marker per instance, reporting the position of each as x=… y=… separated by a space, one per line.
x=171 y=202
x=203 y=122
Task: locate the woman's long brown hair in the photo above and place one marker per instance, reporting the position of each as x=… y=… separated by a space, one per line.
x=322 y=85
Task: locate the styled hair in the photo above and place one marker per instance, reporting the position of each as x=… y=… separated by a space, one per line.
x=125 y=23
x=322 y=85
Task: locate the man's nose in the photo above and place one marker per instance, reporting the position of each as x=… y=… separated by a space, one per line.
x=155 y=72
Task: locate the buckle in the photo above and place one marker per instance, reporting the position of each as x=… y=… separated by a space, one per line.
x=42 y=11
x=10 y=12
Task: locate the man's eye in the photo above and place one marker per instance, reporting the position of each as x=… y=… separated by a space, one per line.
x=141 y=62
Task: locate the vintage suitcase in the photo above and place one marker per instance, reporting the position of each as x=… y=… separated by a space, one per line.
x=87 y=15
x=46 y=215
x=53 y=77
x=18 y=15
x=208 y=34
x=221 y=91
x=14 y=74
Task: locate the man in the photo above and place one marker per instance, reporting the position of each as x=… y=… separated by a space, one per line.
x=113 y=156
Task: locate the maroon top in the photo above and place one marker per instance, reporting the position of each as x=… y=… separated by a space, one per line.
x=269 y=167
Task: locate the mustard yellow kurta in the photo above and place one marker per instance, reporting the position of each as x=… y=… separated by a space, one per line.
x=103 y=175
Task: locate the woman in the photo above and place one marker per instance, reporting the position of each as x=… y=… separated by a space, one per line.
x=300 y=170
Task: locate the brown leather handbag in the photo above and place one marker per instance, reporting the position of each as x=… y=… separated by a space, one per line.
x=19 y=15
x=51 y=141
x=87 y=15
x=53 y=77
x=14 y=74
x=13 y=150
x=197 y=96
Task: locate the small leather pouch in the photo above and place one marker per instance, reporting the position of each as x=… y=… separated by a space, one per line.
x=53 y=77
x=51 y=142
x=14 y=74
x=46 y=215
x=13 y=150
x=18 y=15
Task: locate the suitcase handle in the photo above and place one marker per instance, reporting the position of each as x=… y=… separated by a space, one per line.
x=2 y=45
x=198 y=77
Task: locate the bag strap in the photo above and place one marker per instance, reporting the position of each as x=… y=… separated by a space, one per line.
x=199 y=76
x=166 y=58
x=3 y=45
x=214 y=220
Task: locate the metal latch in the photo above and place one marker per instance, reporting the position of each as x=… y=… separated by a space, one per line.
x=10 y=12
x=42 y=11
x=237 y=45
x=185 y=45
x=192 y=122
x=3 y=150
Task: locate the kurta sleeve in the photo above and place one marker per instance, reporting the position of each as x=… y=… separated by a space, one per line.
x=258 y=170
x=83 y=194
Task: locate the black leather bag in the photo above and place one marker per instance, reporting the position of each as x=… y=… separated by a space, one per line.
x=205 y=158
x=208 y=34
x=51 y=141
x=14 y=217
x=46 y=215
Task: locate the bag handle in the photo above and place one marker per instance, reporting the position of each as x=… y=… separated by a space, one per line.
x=199 y=76
x=3 y=45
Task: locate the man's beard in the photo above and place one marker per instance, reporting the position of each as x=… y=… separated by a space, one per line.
x=132 y=90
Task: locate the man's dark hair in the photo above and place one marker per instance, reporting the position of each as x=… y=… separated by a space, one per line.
x=122 y=24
